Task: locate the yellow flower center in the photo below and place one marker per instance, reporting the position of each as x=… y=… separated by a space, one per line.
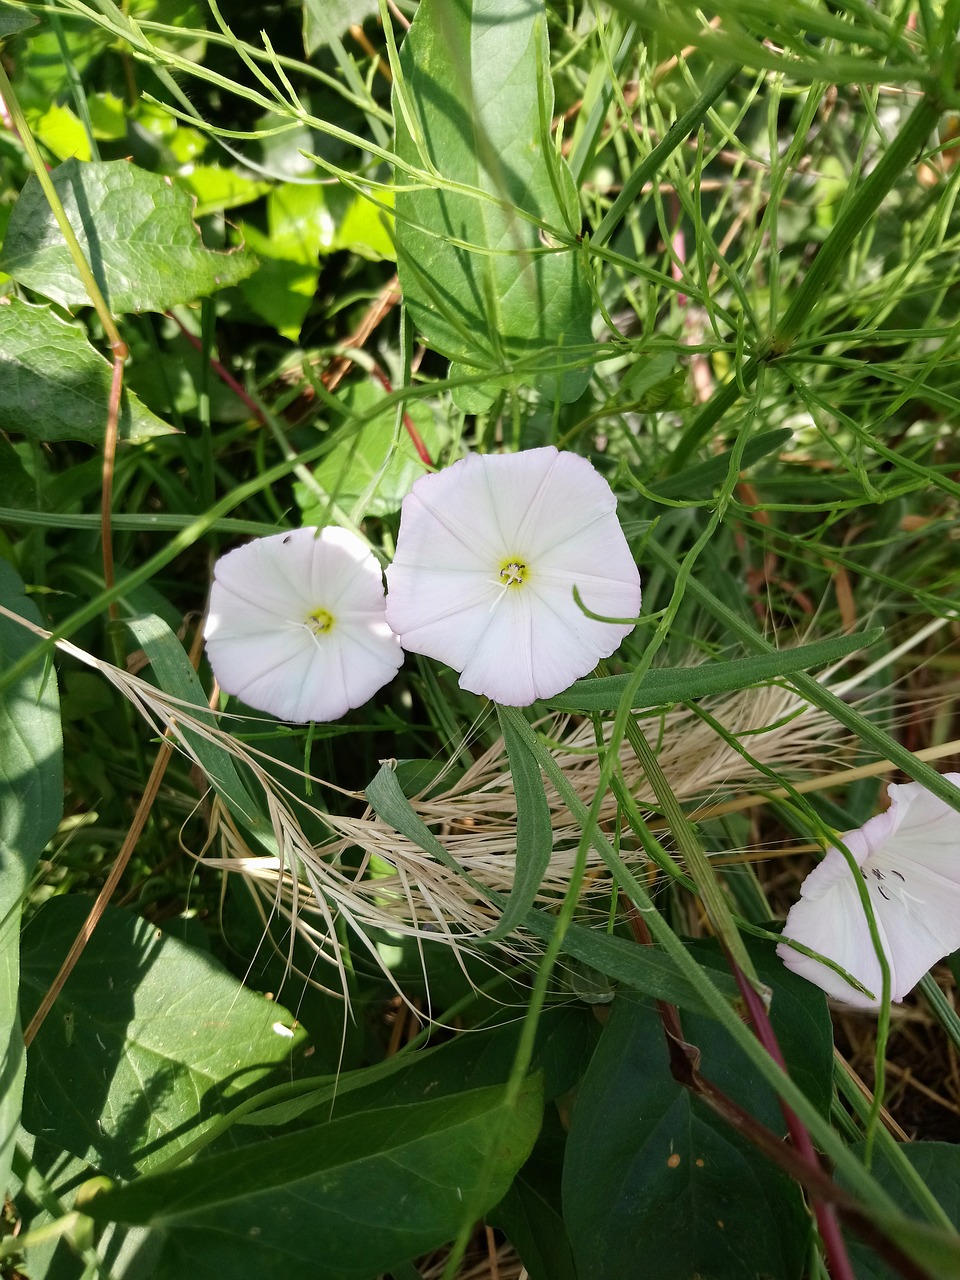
x=320 y=621
x=513 y=572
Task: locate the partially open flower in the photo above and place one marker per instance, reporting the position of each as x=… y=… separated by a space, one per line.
x=909 y=858
x=488 y=554
x=296 y=625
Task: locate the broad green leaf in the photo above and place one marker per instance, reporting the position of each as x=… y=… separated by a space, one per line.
x=55 y=386
x=646 y=969
x=31 y=804
x=299 y=229
x=364 y=464
x=938 y=1164
x=60 y=132
x=346 y=1200
x=493 y=277
x=216 y=188
x=534 y=831
x=651 y=1172
x=136 y=231
x=148 y=1043
x=684 y=684
x=531 y=1213
x=363 y=229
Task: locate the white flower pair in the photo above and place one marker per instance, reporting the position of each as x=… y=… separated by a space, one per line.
x=488 y=554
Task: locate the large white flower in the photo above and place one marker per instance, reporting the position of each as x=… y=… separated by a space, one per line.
x=488 y=554
x=909 y=858
x=296 y=625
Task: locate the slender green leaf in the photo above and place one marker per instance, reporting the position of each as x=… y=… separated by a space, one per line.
x=699 y=481
x=344 y=1200
x=136 y=231
x=31 y=804
x=492 y=277
x=534 y=831
x=55 y=386
x=685 y=684
x=149 y=1041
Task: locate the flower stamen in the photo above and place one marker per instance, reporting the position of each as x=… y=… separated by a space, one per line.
x=320 y=621
x=513 y=573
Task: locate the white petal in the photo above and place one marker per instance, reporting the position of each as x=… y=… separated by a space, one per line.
x=910 y=859
x=555 y=513
x=260 y=645
x=833 y=922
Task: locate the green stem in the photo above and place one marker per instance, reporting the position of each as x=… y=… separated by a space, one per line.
x=678 y=132
x=855 y=216
x=49 y=190
x=853 y=1172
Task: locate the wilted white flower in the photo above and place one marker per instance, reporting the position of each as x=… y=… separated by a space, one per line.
x=296 y=625
x=909 y=858
x=488 y=554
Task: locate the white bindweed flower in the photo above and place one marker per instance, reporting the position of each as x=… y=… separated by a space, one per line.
x=296 y=625
x=909 y=858
x=488 y=554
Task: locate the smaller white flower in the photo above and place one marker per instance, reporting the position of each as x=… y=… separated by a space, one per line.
x=296 y=625
x=909 y=858
x=488 y=554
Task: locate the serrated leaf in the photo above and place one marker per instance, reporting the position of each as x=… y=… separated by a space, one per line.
x=346 y=1200
x=136 y=231
x=148 y=1043
x=684 y=684
x=55 y=386
x=483 y=283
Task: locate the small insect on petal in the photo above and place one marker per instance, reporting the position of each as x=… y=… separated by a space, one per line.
x=488 y=555
x=296 y=625
x=909 y=859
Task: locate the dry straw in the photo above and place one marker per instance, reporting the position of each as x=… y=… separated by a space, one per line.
x=369 y=878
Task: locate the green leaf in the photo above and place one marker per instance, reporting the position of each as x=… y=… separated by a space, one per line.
x=695 y=482
x=136 y=231
x=495 y=277
x=216 y=189
x=938 y=1164
x=14 y=20
x=346 y=1200
x=650 y=1172
x=364 y=464
x=534 y=831
x=175 y=675
x=31 y=805
x=55 y=386
x=684 y=684
x=148 y=1043
x=531 y=1213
